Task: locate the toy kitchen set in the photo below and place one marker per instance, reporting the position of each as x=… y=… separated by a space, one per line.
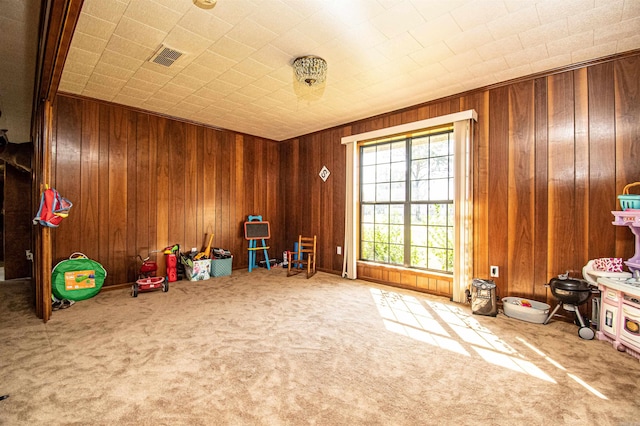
x=620 y=305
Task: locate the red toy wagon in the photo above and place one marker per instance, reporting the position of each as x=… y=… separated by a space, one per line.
x=147 y=280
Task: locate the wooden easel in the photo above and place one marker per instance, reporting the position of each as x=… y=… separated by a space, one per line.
x=255 y=229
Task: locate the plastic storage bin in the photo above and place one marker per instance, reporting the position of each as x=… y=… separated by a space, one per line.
x=221 y=267
x=517 y=307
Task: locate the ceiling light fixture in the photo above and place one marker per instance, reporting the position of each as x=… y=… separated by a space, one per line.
x=310 y=70
x=205 y=4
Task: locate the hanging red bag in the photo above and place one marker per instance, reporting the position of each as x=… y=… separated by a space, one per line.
x=53 y=208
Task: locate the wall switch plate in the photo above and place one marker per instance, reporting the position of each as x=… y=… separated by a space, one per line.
x=494 y=271
x=338 y=250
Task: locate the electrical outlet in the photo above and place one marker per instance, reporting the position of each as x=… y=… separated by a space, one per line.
x=494 y=271
x=29 y=255
x=338 y=250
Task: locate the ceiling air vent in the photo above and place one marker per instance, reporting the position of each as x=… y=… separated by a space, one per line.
x=166 y=56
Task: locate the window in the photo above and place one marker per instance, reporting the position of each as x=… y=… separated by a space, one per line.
x=406 y=201
x=463 y=129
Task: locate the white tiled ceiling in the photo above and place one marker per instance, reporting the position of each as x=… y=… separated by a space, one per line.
x=382 y=55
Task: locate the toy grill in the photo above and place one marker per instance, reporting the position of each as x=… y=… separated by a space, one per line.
x=571 y=293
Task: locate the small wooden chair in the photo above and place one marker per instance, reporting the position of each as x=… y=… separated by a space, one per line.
x=305 y=255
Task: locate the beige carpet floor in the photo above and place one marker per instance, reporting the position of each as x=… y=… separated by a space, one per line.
x=262 y=349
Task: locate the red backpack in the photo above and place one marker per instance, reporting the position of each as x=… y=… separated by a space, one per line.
x=53 y=208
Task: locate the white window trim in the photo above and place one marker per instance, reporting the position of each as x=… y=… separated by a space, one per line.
x=463 y=202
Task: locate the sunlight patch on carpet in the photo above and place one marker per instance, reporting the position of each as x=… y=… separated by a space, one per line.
x=513 y=363
x=405 y=315
x=406 y=310
x=468 y=328
x=560 y=367
x=429 y=322
x=425 y=337
x=542 y=354
x=587 y=386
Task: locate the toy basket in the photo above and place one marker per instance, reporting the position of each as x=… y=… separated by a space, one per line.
x=221 y=267
x=627 y=201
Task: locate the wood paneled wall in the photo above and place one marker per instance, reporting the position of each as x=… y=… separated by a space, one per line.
x=312 y=206
x=550 y=156
x=551 y=153
x=140 y=182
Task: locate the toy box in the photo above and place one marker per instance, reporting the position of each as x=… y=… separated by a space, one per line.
x=199 y=270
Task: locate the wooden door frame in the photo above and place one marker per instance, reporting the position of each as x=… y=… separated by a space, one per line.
x=58 y=20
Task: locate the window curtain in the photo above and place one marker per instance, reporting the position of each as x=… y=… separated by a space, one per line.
x=463 y=208
x=352 y=194
x=463 y=202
